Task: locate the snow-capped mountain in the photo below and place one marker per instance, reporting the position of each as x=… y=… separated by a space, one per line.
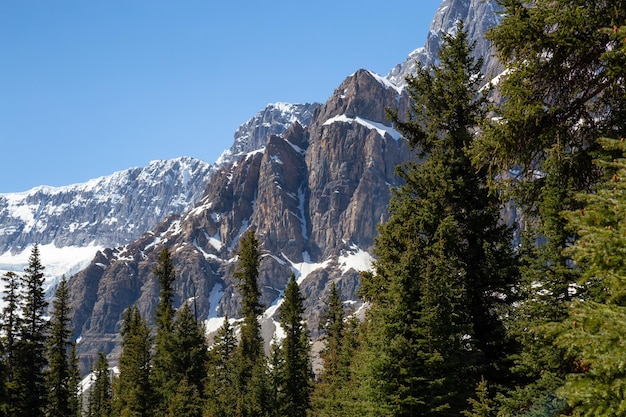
x=313 y=180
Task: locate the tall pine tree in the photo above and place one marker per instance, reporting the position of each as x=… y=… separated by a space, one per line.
x=190 y=353
x=61 y=380
x=297 y=374
x=445 y=266
x=133 y=392
x=252 y=374
x=10 y=325
x=221 y=385
x=32 y=343
x=99 y=402
x=593 y=331
x=163 y=381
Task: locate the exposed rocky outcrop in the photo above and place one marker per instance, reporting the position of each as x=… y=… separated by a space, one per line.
x=477 y=16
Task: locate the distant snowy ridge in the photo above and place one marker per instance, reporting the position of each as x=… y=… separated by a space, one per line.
x=72 y=223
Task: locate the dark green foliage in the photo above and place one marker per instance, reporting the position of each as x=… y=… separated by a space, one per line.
x=592 y=332
x=31 y=347
x=186 y=401
x=164 y=346
x=333 y=326
x=445 y=268
x=133 y=394
x=333 y=393
x=190 y=354
x=247 y=273
x=61 y=379
x=99 y=404
x=295 y=370
x=10 y=326
x=221 y=386
x=482 y=405
x=563 y=89
x=252 y=381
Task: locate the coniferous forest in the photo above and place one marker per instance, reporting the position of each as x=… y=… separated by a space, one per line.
x=469 y=313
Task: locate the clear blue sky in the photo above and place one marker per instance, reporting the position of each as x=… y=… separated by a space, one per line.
x=88 y=88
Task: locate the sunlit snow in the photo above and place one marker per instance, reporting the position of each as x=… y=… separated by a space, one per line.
x=57 y=262
x=304 y=268
x=379 y=127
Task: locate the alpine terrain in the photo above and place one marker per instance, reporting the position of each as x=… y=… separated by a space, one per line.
x=312 y=180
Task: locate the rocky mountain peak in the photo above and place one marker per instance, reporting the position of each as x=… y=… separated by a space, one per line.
x=274 y=119
x=478 y=16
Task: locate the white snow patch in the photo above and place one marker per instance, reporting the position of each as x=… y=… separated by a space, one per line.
x=216 y=241
x=213 y=324
x=356 y=259
x=214 y=300
x=56 y=261
x=385 y=82
x=379 y=127
x=304 y=268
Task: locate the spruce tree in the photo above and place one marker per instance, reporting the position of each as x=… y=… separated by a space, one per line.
x=333 y=326
x=592 y=332
x=99 y=403
x=32 y=343
x=10 y=325
x=252 y=373
x=247 y=273
x=60 y=378
x=186 y=401
x=133 y=393
x=330 y=396
x=297 y=374
x=221 y=386
x=445 y=266
x=561 y=90
x=190 y=354
x=163 y=381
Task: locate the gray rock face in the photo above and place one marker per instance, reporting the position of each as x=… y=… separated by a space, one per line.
x=107 y=211
x=477 y=15
x=275 y=119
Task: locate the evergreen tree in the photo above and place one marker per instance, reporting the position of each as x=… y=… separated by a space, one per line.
x=221 y=387
x=331 y=394
x=133 y=394
x=252 y=374
x=164 y=349
x=247 y=273
x=445 y=266
x=186 y=400
x=60 y=378
x=190 y=354
x=333 y=326
x=562 y=89
x=593 y=330
x=33 y=337
x=99 y=404
x=10 y=326
x=296 y=381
